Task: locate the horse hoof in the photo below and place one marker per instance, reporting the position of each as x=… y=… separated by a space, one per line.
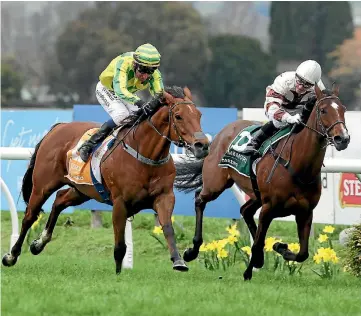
x=259 y=263
x=279 y=247
x=189 y=255
x=36 y=247
x=180 y=265
x=9 y=260
x=247 y=275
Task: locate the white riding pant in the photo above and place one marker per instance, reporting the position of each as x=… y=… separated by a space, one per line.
x=117 y=108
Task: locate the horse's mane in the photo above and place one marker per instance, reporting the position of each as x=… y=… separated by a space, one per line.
x=156 y=102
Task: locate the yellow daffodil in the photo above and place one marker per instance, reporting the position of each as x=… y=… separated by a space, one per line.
x=270 y=241
x=37 y=222
x=329 y=229
x=157 y=230
x=203 y=248
x=294 y=247
x=322 y=238
x=233 y=231
x=232 y=239
x=211 y=246
x=222 y=253
x=172 y=218
x=317 y=258
x=325 y=255
x=220 y=244
x=247 y=250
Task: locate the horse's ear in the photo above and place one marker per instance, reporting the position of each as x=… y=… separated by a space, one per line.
x=187 y=93
x=335 y=89
x=168 y=98
x=318 y=92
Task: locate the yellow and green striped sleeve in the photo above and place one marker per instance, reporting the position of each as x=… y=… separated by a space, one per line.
x=156 y=83
x=120 y=82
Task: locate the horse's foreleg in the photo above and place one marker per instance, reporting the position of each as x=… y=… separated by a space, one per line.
x=304 y=222
x=119 y=221
x=192 y=253
x=164 y=205
x=64 y=198
x=257 y=258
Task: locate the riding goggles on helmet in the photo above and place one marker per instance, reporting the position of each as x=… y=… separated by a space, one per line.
x=303 y=82
x=146 y=70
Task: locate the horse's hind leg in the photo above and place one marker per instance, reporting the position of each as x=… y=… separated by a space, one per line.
x=247 y=211
x=64 y=198
x=214 y=184
x=37 y=199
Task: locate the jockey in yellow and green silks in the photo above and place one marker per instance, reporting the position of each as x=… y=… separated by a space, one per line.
x=122 y=78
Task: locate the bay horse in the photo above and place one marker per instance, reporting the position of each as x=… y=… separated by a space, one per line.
x=293 y=190
x=144 y=181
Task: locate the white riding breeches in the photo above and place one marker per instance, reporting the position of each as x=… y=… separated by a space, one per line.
x=117 y=108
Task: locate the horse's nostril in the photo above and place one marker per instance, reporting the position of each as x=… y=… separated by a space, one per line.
x=338 y=139
x=198 y=145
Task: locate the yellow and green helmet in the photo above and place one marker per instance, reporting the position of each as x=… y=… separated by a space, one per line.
x=147 y=55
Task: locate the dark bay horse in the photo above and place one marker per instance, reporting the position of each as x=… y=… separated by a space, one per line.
x=134 y=184
x=294 y=190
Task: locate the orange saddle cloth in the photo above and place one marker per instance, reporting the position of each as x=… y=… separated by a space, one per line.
x=78 y=170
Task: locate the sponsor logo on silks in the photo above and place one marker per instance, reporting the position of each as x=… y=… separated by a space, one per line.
x=349 y=190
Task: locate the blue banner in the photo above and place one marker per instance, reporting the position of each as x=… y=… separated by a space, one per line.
x=20 y=128
x=213 y=120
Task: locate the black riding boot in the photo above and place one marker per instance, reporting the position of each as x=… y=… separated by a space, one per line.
x=259 y=137
x=104 y=130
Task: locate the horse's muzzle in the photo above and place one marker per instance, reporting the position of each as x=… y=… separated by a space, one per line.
x=341 y=141
x=200 y=150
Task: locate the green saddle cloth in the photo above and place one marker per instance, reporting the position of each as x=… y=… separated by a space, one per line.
x=234 y=158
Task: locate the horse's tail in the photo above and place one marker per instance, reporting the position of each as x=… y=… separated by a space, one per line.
x=188 y=175
x=27 y=185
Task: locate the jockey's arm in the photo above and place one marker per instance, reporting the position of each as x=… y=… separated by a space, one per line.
x=120 y=83
x=273 y=103
x=156 y=83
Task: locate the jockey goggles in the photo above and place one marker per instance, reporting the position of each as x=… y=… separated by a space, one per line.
x=146 y=70
x=303 y=82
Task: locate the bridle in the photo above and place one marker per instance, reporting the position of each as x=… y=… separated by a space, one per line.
x=181 y=142
x=324 y=131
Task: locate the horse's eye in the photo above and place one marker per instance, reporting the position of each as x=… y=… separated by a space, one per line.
x=178 y=117
x=323 y=111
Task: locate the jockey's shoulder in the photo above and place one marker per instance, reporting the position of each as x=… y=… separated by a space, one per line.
x=287 y=77
x=284 y=82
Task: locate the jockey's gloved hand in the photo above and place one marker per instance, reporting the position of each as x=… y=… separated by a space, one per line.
x=139 y=103
x=293 y=119
x=147 y=109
